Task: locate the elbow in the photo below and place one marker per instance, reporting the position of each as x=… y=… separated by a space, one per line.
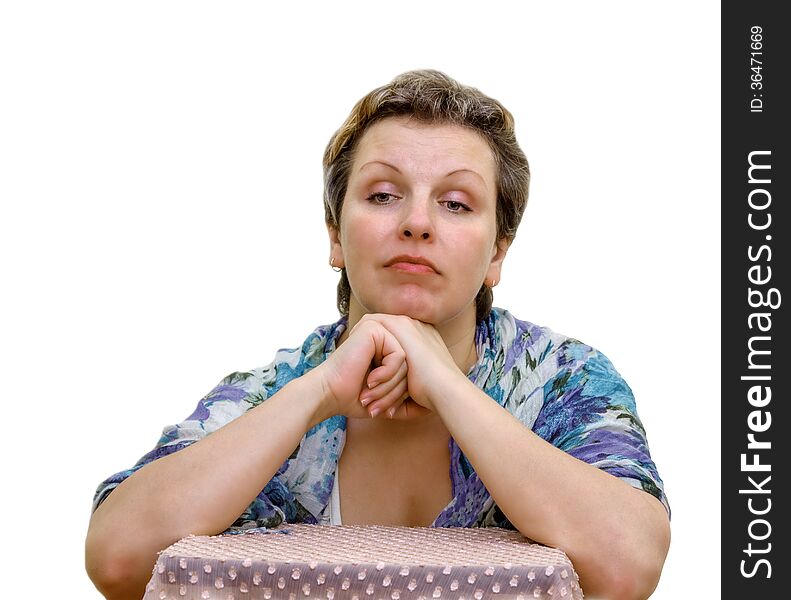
x=650 y=559
x=635 y=575
x=116 y=572
x=111 y=578
x=632 y=585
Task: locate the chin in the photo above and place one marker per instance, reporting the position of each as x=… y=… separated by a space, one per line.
x=414 y=302
x=427 y=315
x=428 y=311
x=417 y=307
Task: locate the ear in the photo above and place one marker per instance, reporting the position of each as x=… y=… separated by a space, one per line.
x=496 y=264
x=336 y=250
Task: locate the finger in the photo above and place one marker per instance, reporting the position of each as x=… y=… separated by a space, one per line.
x=383 y=379
x=384 y=343
x=395 y=406
x=404 y=328
x=395 y=396
x=390 y=366
x=382 y=392
x=391 y=412
x=410 y=409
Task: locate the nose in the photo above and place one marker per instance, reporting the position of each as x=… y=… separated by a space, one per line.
x=417 y=220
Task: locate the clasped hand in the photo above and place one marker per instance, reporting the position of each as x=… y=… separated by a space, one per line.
x=390 y=365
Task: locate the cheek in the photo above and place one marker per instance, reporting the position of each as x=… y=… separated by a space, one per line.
x=476 y=249
x=360 y=234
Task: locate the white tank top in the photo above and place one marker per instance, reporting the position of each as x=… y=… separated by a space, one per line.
x=335 y=502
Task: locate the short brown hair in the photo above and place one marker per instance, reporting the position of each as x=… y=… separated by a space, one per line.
x=432 y=97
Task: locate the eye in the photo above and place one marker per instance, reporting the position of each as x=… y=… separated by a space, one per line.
x=381 y=198
x=454 y=206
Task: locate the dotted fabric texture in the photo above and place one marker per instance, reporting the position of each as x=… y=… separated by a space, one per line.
x=294 y=562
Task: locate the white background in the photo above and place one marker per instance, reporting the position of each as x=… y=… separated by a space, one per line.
x=162 y=223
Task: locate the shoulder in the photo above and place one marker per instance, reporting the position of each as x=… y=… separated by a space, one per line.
x=533 y=364
x=242 y=390
x=516 y=338
x=571 y=395
x=289 y=363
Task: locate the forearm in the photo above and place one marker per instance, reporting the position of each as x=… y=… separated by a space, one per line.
x=555 y=499
x=201 y=489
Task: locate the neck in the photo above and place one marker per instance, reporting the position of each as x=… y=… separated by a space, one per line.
x=462 y=347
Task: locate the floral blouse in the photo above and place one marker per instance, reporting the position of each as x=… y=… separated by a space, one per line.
x=566 y=392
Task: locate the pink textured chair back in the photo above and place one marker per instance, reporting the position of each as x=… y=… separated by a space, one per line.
x=296 y=562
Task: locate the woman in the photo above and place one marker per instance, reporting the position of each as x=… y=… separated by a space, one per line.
x=422 y=405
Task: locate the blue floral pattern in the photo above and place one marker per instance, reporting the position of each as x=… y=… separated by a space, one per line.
x=566 y=392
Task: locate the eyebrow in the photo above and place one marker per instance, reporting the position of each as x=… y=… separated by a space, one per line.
x=397 y=170
x=478 y=175
x=381 y=162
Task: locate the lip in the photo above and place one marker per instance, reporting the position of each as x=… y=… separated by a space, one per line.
x=411 y=264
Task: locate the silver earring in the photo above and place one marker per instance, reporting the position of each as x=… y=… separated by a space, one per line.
x=334 y=268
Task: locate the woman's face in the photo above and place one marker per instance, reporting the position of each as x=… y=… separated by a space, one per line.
x=418 y=224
